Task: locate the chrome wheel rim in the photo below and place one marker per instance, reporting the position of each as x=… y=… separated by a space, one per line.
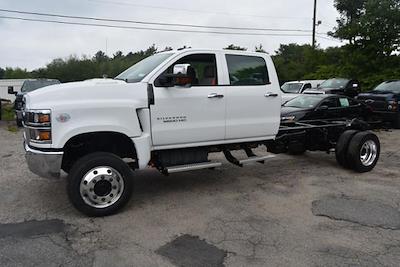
x=101 y=187
x=368 y=153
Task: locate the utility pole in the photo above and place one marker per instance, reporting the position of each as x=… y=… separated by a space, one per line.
x=314 y=24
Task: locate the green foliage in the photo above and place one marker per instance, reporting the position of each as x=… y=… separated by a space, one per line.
x=235 y=47
x=370 y=25
x=260 y=49
x=7 y=112
x=16 y=73
x=78 y=69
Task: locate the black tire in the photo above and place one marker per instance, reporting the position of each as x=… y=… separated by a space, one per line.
x=83 y=166
x=342 y=147
x=396 y=123
x=19 y=122
x=356 y=150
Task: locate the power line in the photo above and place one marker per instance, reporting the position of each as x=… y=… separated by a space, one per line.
x=151 y=23
x=194 y=11
x=150 y=29
x=329 y=39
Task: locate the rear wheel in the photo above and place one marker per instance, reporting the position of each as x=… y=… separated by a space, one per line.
x=99 y=184
x=342 y=147
x=363 y=152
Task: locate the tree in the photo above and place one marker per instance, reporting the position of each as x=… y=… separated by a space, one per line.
x=100 y=56
x=118 y=55
x=371 y=25
x=260 y=49
x=16 y=73
x=235 y=47
x=2 y=71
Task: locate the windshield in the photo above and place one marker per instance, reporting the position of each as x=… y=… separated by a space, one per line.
x=304 y=101
x=391 y=86
x=291 y=87
x=334 y=83
x=137 y=72
x=29 y=86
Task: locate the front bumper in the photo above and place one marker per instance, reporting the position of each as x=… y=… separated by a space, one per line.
x=44 y=163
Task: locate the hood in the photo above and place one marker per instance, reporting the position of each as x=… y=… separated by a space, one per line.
x=330 y=90
x=293 y=111
x=99 y=91
x=378 y=95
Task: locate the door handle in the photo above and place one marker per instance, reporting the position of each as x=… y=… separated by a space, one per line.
x=215 y=95
x=270 y=94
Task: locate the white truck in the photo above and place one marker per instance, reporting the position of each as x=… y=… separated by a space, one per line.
x=169 y=112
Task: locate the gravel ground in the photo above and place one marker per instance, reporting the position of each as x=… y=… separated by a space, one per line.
x=291 y=211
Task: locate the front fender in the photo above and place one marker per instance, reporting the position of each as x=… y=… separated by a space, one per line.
x=117 y=118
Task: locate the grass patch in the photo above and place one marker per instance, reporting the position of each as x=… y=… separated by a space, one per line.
x=12 y=128
x=7 y=112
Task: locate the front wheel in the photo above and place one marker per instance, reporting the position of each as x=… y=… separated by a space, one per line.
x=99 y=184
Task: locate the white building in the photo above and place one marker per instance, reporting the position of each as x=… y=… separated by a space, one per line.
x=5 y=83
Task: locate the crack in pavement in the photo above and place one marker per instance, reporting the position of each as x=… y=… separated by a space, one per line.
x=363 y=212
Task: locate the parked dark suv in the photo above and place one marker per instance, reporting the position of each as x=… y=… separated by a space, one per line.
x=338 y=86
x=384 y=101
x=28 y=86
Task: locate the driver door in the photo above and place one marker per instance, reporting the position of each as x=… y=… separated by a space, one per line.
x=195 y=113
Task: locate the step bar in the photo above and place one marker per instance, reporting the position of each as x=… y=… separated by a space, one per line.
x=255 y=159
x=192 y=167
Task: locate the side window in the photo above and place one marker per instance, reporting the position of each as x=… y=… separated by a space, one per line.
x=306 y=86
x=330 y=103
x=344 y=102
x=247 y=70
x=353 y=102
x=202 y=70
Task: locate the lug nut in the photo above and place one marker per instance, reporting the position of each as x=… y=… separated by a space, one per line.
x=95 y=172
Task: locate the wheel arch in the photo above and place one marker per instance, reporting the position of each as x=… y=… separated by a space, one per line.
x=102 y=141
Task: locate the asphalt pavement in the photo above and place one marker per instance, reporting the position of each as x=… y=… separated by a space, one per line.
x=291 y=211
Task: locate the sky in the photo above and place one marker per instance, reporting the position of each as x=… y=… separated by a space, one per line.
x=31 y=45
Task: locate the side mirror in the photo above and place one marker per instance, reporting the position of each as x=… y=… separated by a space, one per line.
x=181 y=69
x=11 y=90
x=323 y=108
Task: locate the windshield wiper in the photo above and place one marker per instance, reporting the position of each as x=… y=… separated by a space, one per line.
x=119 y=79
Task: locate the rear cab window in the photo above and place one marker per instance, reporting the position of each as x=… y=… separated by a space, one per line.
x=247 y=70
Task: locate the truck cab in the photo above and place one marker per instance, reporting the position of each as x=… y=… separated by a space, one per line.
x=170 y=110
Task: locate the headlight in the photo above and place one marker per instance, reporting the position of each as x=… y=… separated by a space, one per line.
x=38 y=118
x=393 y=105
x=38 y=126
x=40 y=135
x=288 y=118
